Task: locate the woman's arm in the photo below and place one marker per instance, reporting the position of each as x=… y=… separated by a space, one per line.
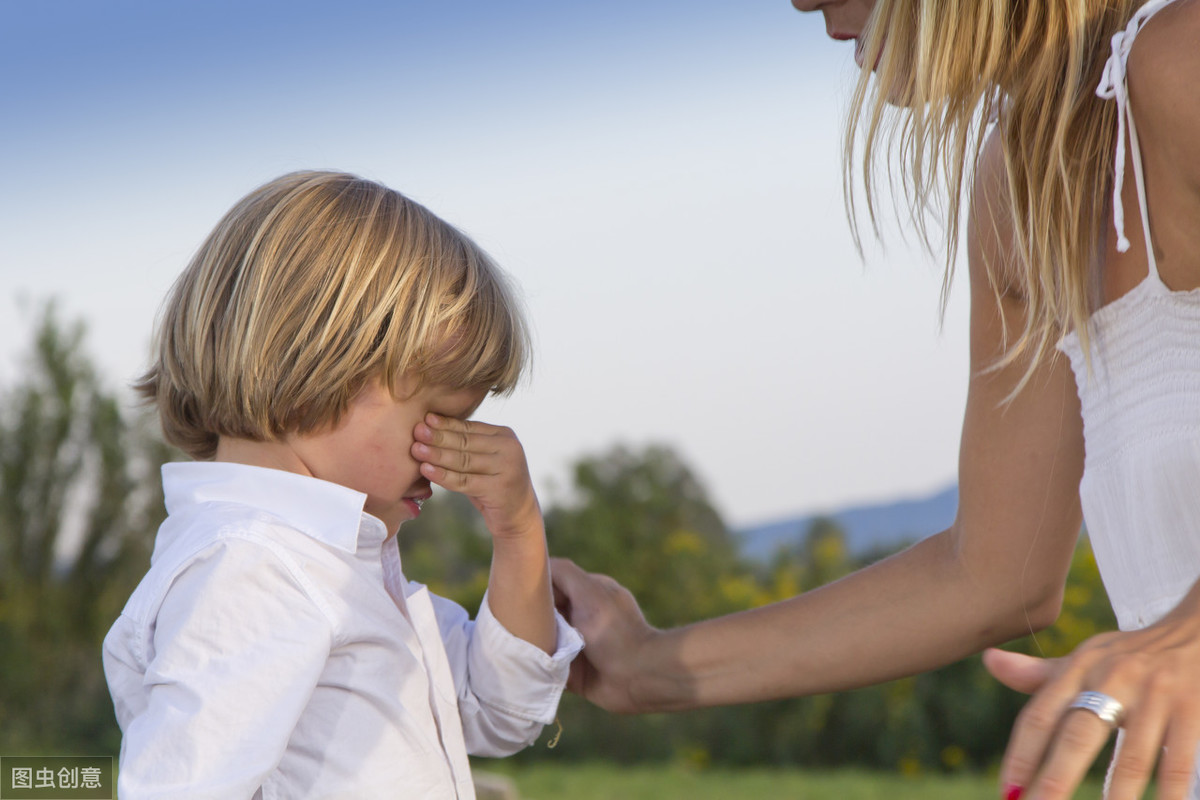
x=997 y=573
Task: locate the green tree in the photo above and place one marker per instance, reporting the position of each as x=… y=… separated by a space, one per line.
x=79 y=502
x=644 y=517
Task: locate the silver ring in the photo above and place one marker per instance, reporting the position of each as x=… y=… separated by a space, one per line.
x=1106 y=708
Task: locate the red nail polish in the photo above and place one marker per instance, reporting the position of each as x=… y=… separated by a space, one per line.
x=1013 y=792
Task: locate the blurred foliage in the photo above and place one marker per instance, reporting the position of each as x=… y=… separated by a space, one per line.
x=448 y=549
x=79 y=503
x=645 y=518
x=80 y=500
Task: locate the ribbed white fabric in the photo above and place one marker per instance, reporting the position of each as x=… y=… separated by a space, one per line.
x=1141 y=412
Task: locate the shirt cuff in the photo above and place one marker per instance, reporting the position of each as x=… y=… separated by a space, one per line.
x=514 y=676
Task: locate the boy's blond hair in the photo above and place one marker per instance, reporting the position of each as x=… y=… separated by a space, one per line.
x=312 y=285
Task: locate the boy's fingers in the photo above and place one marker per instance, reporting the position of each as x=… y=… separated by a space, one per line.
x=475 y=437
x=440 y=437
x=461 y=482
x=465 y=426
x=457 y=460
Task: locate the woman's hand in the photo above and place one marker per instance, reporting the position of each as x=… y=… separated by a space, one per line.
x=1153 y=673
x=487 y=464
x=614 y=631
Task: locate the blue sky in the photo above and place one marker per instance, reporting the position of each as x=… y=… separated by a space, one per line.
x=662 y=180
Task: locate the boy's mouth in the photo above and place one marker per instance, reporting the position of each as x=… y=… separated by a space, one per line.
x=414 y=504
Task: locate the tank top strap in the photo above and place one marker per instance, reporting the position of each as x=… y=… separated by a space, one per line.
x=1114 y=86
x=1139 y=180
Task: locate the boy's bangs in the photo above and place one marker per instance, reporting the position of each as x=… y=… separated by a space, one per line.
x=485 y=345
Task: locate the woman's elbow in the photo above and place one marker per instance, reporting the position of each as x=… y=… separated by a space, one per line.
x=1023 y=613
x=1044 y=611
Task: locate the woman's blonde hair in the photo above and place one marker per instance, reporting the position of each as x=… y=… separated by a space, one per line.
x=1034 y=65
x=312 y=285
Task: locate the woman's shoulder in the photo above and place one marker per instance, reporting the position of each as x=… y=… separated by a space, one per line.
x=1167 y=41
x=1164 y=72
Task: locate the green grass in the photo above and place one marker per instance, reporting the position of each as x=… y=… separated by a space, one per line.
x=604 y=781
x=609 y=782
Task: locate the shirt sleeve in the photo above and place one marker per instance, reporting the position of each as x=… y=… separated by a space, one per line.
x=236 y=649
x=507 y=688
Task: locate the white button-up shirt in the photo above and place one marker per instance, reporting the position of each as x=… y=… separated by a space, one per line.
x=275 y=650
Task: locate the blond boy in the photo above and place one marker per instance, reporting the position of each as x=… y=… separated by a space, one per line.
x=320 y=358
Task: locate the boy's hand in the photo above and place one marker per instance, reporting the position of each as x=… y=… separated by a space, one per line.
x=487 y=464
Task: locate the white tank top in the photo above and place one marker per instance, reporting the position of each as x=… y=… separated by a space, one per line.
x=1141 y=410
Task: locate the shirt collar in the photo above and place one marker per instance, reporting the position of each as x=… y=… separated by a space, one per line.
x=325 y=511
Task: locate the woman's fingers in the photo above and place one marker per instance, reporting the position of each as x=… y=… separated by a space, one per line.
x=1140 y=745
x=1036 y=726
x=613 y=629
x=573 y=598
x=1080 y=738
x=580 y=592
x=1150 y=673
x=1018 y=671
x=1177 y=765
x=1036 y=729
x=568 y=578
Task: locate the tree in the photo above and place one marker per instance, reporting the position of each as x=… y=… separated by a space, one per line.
x=80 y=500
x=645 y=518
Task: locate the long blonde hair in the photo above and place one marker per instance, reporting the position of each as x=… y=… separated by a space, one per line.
x=312 y=285
x=1034 y=65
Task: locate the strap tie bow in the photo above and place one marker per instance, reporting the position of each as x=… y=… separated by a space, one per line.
x=1113 y=86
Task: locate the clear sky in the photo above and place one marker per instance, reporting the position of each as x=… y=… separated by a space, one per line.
x=662 y=179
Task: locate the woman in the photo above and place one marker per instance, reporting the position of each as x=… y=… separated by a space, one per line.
x=1082 y=331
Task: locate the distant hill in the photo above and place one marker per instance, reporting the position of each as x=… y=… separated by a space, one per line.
x=867 y=527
